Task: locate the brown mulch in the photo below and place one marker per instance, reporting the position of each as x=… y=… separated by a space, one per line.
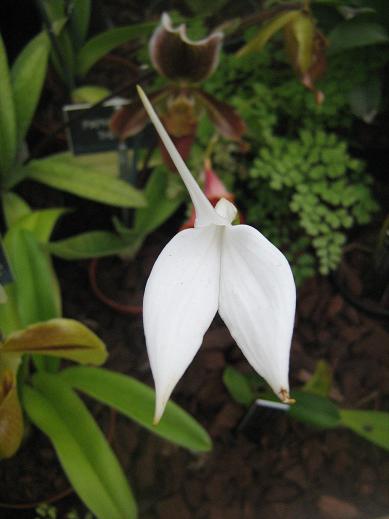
x=290 y=471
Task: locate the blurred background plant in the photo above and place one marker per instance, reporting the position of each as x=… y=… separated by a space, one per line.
x=292 y=121
x=314 y=404
x=35 y=336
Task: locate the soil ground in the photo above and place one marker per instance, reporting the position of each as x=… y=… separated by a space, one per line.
x=287 y=470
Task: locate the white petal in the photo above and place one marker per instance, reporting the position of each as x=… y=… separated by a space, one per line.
x=226 y=209
x=180 y=301
x=257 y=302
x=205 y=213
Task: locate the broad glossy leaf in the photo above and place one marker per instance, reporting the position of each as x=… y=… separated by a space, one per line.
x=14 y=208
x=356 y=33
x=94 y=244
x=11 y=418
x=238 y=386
x=27 y=76
x=100 y=45
x=8 y=129
x=82 y=449
x=64 y=338
x=314 y=410
x=372 y=425
x=67 y=174
x=136 y=401
x=35 y=291
x=266 y=32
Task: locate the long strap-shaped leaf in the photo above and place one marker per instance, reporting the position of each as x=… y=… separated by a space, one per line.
x=8 y=129
x=69 y=174
x=136 y=401
x=82 y=449
x=27 y=75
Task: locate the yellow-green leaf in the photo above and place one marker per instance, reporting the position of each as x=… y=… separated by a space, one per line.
x=69 y=174
x=8 y=130
x=64 y=338
x=27 y=75
x=14 y=208
x=85 y=454
x=372 y=425
x=266 y=32
x=299 y=38
x=11 y=418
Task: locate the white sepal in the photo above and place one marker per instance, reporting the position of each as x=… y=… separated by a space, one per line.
x=205 y=213
x=257 y=302
x=180 y=301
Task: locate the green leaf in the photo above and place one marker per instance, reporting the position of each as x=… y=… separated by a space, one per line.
x=372 y=425
x=8 y=130
x=266 y=32
x=14 y=208
x=41 y=223
x=9 y=312
x=299 y=39
x=365 y=99
x=36 y=298
x=100 y=45
x=355 y=33
x=89 y=94
x=66 y=173
x=82 y=449
x=238 y=386
x=11 y=416
x=159 y=206
x=94 y=244
x=321 y=381
x=136 y=401
x=314 y=410
x=64 y=338
x=55 y=9
x=79 y=21
x=27 y=76
x=65 y=64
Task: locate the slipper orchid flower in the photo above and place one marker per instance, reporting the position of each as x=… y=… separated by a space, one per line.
x=214 y=267
x=185 y=64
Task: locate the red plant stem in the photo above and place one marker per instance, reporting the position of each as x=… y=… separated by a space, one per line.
x=119 y=307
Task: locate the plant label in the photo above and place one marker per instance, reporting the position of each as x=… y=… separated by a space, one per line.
x=260 y=413
x=88 y=127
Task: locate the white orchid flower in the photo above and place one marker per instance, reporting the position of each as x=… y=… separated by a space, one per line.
x=214 y=267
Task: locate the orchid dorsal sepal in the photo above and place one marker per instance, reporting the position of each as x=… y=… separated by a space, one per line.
x=205 y=213
x=178 y=58
x=214 y=267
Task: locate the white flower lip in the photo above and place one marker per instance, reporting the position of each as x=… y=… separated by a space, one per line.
x=214 y=267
